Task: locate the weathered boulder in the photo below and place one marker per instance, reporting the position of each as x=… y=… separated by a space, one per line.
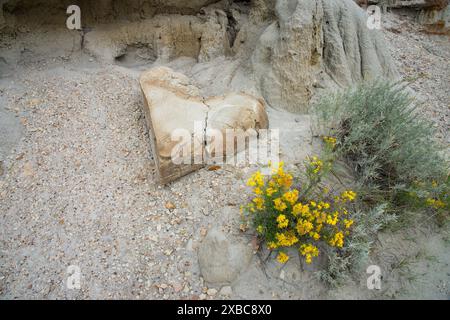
x=222 y=259
x=173 y=106
x=171 y=102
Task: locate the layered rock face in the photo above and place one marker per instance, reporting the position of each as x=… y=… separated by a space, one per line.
x=282 y=50
x=101 y=10
x=181 y=121
x=235 y=58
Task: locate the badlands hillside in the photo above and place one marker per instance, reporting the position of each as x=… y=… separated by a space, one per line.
x=80 y=183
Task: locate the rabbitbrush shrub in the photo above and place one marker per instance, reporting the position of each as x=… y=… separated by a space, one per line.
x=304 y=215
x=387 y=145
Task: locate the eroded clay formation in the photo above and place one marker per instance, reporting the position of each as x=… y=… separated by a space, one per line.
x=279 y=53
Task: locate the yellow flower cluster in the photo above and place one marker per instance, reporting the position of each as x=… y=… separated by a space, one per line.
x=348 y=223
x=270 y=191
x=309 y=251
x=337 y=240
x=282 y=257
x=435 y=203
x=304 y=226
x=316 y=164
x=281 y=179
x=348 y=196
x=259 y=202
x=256 y=180
x=291 y=196
x=282 y=221
x=286 y=239
x=279 y=204
x=300 y=209
x=287 y=216
x=331 y=141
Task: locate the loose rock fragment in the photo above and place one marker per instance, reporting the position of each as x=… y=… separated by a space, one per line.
x=221 y=258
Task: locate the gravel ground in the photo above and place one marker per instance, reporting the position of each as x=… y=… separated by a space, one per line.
x=78 y=187
x=80 y=191
x=424 y=61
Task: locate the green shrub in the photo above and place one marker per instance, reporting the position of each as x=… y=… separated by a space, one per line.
x=386 y=144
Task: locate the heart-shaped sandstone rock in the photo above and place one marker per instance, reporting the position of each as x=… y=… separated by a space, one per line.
x=185 y=127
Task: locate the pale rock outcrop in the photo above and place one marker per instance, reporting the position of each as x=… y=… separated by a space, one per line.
x=288 y=54
x=202 y=37
x=286 y=51
x=352 y=51
x=310 y=36
x=173 y=103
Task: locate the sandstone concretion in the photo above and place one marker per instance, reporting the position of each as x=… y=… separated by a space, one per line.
x=173 y=105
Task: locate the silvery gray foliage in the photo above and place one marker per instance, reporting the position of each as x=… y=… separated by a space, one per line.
x=350 y=260
x=381 y=137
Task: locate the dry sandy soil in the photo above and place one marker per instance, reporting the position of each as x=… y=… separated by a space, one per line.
x=77 y=185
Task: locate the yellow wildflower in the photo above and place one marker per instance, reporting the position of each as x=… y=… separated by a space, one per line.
x=337 y=240
x=272 y=245
x=333 y=219
x=319 y=227
x=348 y=195
x=279 y=204
x=309 y=251
x=436 y=204
x=348 y=223
x=270 y=191
x=259 y=202
x=286 y=239
x=291 y=196
x=300 y=209
x=316 y=164
x=282 y=221
x=331 y=141
x=260 y=229
x=258 y=191
x=314 y=235
x=304 y=226
x=282 y=257
x=256 y=180
x=324 y=205
x=280 y=170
